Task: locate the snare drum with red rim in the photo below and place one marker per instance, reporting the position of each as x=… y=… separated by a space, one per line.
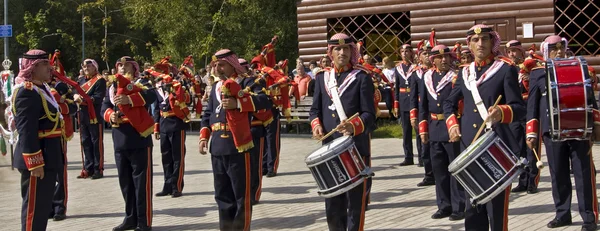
x=570 y=99
x=337 y=167
x=486 y=168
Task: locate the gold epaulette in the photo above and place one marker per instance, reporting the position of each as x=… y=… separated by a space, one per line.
x=363 y=68
x=142 y=86
x=505 y=59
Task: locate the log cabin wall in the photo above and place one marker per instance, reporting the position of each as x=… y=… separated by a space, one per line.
x=451 y=19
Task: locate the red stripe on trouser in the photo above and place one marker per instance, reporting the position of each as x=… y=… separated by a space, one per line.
x=505 y=215
x=149 y=189
x=181 y=162
x=31 y=203
x=260 y=159
x=361 y=225
x=277 y=137
x=247 y=206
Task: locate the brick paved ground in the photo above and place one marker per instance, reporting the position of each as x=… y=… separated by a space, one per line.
x=289 y=201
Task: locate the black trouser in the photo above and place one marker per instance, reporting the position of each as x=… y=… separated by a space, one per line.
x=426 y=160
x=37 y=201
x=347 y=210
x=273 y=141
x=530 y=177
x=407 y=137
x=491 y=216
x=450 y=196
x=388 y=98
x=579 y=154
x=232 y=190
x=172 y=148
x=92 y=144
x=134 y=167
x=256 y=159
x=367 y=160
x=61 y=194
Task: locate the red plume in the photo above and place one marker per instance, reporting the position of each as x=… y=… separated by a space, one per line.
x=432 y=40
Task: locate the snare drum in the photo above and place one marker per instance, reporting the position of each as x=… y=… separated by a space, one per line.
x=570 y=99
x=337 y=167
x=486 y=168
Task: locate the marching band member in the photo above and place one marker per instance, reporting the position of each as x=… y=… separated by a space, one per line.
x=561 y=154
x=487 y=78
x=425 y=153
x=434 y=87
x=352 y=89
x=278 y=89
x=226 y=121
x=38 y=153
x=67 y=107
x=402 y=105
x=260 y=120
x=126 y=107
x=171 y=116
x=91 y=129
x=528 y=180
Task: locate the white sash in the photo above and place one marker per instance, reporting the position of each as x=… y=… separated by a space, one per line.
x=443 y=82
x=334 y=92
x=470 y=76
x=218 y=95
x=403 y=74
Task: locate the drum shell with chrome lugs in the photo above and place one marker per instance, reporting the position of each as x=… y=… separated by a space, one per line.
x=570 y=98
x=486 y=168
x=337 y=167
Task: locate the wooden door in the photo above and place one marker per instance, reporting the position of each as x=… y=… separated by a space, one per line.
x=506 y=27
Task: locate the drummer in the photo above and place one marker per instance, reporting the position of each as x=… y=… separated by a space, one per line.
x=563 y=153
x=487 y=78
x=345 y=211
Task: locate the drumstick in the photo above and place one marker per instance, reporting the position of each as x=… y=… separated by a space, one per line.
x=335 y=130
x=483 y=124
x=539 y=163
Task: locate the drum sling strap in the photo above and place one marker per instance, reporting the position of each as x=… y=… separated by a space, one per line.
x=470 y=76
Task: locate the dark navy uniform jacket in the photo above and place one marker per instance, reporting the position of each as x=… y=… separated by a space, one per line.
x=537 y=104
x=63 y=89
x=356 y=98
x=221 y=142
x=403 y=91
x=428 y=105
x=415 y=88
x=504 y=82
x=124 y=136
x=95 y=87
x=39 y=141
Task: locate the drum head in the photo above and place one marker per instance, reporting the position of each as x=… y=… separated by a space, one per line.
x=471 y=152
x=330 y=149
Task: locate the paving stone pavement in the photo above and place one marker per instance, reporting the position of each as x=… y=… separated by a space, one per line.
x=289 y=201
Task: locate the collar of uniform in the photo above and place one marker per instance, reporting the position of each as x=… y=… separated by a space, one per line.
x=343 y=69
x=234 y=76
x=486 y=61
x=87 y=77
x=406 y=63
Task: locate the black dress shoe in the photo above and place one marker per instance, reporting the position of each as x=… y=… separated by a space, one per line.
x=440 y=214
x=532 y=190
x=143 y=228
x=589 y=227
x=456 y=216
x=51 y=215
x=162 y=194
x=123 y=227
x=519 y=188
x=176 y=194
x=426 y=183
x=60 y=217
x=555 y=223
x=97 y=176
x=420 y=164
x=254 y=202
x=407 y=163
x=264 y=172
x=271 y=174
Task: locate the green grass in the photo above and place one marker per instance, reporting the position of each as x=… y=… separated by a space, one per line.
x=387 y=129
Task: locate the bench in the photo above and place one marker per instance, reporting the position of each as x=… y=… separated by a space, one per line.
x=299 y=114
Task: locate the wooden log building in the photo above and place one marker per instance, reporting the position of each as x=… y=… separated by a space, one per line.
x=384 y=25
